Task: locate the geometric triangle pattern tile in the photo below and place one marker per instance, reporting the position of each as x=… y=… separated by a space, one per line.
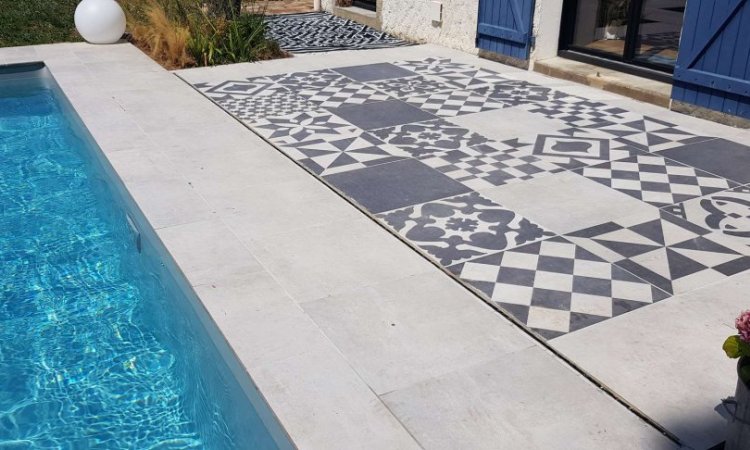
x=726 y=212
x=325 y=157
x=675 y=255
x=555 y=287
x=256 y=107
x=655 y=180
x=304 y=126
x=434 y=66
x=336 y=95
x=471 y=79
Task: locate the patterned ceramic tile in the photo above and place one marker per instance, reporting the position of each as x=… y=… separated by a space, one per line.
x=516 y=92
x=429 y=137
x=668 y=252
x=337 y=95
x=407 y=87
x=325 y=157
x=460 y=228
x=555 y=287
x=305 y=126
x=257 y=107
x=580 y=112
x=435 y=66
x=573 y=150
x=488 y=165
x=375 y=72
x=250 y=86
x=655 y=180
x=455 y=103
x=472 y=78
x=726 y=212
x=310 y=80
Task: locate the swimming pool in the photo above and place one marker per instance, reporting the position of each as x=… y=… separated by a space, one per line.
x=102 y=343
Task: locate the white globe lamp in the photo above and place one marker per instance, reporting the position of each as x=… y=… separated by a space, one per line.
x=100 y=21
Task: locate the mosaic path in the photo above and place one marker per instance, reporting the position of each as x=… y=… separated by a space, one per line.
x=653 y=215
x=323 y=32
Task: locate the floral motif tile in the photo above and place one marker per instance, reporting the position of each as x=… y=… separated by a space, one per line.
x=407 y=87
x=460 y=228
x=655 y=180
x=668 y=252
x=516 y=92
x=726 y=212
x=429 y=137
x=556 y=287
x=435 y=66
x=325 y=157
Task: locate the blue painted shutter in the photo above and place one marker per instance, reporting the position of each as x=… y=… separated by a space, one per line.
x=505 y=27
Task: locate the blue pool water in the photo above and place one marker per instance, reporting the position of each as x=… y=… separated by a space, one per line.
x=100 y=345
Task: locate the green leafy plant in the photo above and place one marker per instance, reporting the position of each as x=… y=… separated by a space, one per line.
x=211 y=32
x=738 y=345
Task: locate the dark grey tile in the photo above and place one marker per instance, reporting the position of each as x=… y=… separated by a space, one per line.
x=395 y=185
x=372 y=72
x=719 y=156
x=389 y=113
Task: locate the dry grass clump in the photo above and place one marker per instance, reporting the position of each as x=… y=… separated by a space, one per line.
x=184 y=33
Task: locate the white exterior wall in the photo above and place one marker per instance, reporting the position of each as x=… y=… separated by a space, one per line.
x=410 y=19
x=547 y=19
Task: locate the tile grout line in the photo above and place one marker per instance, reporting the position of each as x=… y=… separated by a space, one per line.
x=523 y=328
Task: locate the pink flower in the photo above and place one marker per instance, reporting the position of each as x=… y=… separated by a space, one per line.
x=743 y=326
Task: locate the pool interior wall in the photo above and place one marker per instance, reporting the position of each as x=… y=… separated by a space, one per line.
x=103 y=344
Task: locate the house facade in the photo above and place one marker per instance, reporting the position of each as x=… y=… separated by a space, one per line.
x=702 y=47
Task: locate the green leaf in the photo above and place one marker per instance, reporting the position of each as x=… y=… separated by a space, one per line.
x=735 y=347
x=745 y=373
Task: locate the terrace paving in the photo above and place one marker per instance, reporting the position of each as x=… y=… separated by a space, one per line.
x=357 y=340
x=566 y=209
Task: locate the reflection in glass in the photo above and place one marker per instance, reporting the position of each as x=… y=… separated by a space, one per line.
x=602 y=25
x=659 y=31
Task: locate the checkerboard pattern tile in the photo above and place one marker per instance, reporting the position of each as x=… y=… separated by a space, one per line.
x=337 y=95
x=488 y=165
x=668 y=252
x=655 y=180
x=555 y=287
x=455 y=103
x=398 y=139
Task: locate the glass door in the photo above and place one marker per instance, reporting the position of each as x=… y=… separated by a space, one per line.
x=640 y=32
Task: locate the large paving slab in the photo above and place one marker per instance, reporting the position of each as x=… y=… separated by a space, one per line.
x=565 y=207
x=334 y=319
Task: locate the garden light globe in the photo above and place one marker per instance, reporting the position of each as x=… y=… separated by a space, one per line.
x=100 y=21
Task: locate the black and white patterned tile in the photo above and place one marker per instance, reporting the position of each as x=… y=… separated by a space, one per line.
x=326 y=157
x=429 y=137
x=456 y=103
x=251 y=108
x=668 y=252
x=516 y=92
x=488 y=165
x=435 y=66
x=571 y=149
x=249 y=86
x=556 y=287
x=336 y=95
x=460 y=228
x=310 y=80
x=407 y=87
x=726 y=212
x=471 y=79
x=655 y=180
x=324 y=32
x=305 y=126
x=580 y=112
